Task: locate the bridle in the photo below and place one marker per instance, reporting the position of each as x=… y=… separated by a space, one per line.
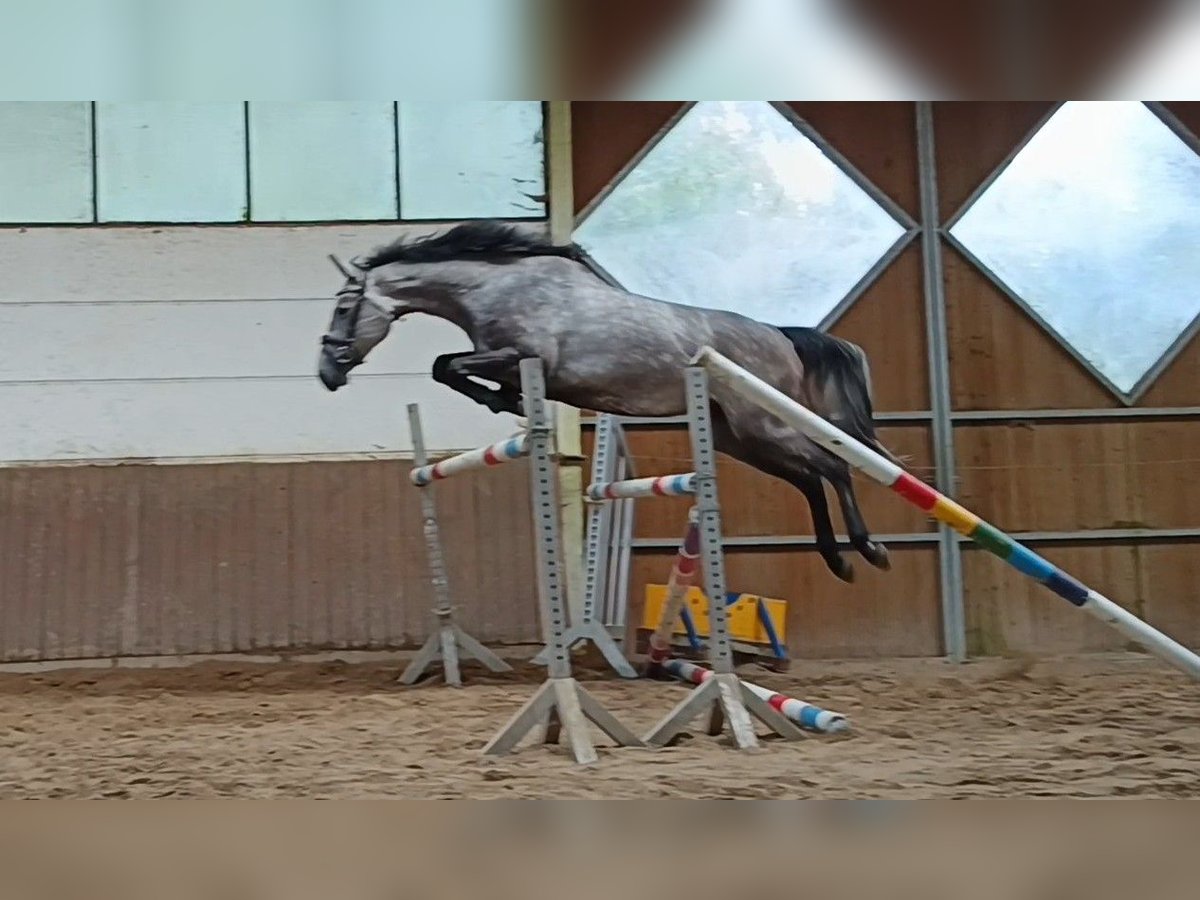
x=343 y=347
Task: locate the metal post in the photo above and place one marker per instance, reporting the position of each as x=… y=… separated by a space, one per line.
x=723 y=695
x=954 y=631
x=447 y=638
x=560 y=202
x=588 y=626
x=561 y=703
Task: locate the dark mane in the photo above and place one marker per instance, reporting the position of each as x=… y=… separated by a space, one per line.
x=485 y=237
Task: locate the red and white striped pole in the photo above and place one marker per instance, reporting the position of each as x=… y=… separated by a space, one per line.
x=683 y=576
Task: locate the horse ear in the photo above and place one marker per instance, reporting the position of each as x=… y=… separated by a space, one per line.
x=341 y=267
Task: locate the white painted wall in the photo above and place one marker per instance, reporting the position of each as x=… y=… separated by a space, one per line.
x=202 y=342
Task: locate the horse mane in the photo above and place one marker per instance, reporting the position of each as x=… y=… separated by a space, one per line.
x=485 y=237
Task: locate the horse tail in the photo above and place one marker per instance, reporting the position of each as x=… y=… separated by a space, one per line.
x=838 y=371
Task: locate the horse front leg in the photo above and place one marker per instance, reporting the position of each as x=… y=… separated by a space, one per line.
x=454 y=369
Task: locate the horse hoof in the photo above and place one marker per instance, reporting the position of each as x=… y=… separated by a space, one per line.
x=880 y=558
x=844 y=571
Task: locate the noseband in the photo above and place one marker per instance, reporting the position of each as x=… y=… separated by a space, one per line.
x=343 y=352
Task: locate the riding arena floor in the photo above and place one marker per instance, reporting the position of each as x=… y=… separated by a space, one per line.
x=1111 y=725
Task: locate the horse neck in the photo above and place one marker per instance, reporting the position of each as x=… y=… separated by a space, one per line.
x=442 y=289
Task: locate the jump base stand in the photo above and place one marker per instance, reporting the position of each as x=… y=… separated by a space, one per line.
x=561 y=706
x=723 y=696
x=449 y=641
x=590 y=628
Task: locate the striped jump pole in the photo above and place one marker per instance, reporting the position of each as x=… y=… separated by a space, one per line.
x=945 y=510
x=683 y=576
x=483 y=457
x=660 y=486
x=807 y=716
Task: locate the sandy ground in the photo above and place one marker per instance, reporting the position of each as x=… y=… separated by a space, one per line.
x=1101 y=726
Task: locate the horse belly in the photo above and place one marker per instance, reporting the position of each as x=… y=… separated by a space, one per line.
x=630 y=389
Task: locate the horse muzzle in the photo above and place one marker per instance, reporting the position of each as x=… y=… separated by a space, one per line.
x=332 y=375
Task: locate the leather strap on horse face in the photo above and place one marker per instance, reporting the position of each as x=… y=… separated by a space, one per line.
x=357 y=286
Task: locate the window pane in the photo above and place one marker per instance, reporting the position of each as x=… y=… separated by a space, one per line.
x=735 y=209
x=470 y=160
x=171 y=162
x=1095 y=225
x=45 y=162
x=322 y=160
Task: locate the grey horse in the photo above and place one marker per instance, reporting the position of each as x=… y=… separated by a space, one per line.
x=608 y=350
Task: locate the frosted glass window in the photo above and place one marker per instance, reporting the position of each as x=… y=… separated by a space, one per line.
x=322 y=160
x=171 y=162
x=1095 y=226
x=736 y=209
x=466 y=160
x=45 y=162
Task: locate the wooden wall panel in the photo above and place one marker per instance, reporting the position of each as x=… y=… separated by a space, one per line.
x=879 y=138
x=606 y=135
x=754 y=504
x=1000 y=358
x=888 y=322
x=972 y=138
x=1008 y=613
x=1070 y=476
x=894 y=613
x=1169 y=574
x=1179 y=384
x=1163 y=459
x=1046 y=477
x=142 y=559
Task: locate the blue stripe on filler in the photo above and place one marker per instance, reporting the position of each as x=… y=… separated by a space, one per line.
x=1067 y=587
x=1026 y=561
x=679 y=484
x=513 y=447
x=808 y=716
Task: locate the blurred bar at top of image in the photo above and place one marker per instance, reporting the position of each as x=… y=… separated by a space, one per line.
x=880 y=49
x=599 y=49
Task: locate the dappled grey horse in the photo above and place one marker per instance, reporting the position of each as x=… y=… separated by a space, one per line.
x=608 y=350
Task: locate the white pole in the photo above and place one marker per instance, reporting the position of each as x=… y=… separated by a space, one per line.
x=942 y=508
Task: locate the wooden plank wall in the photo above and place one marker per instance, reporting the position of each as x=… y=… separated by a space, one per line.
x=1040 y=476
x=880 y=614
x=100 y=561
x=1024 y=476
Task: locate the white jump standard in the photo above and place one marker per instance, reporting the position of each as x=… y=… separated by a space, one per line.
x=448 y=638
x=723 y=694
x=733 y=377
x=589 y=627
x=561 y=703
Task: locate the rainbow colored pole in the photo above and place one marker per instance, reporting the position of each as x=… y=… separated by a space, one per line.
x=945 y=510
x=494 y=455
x=660 y=486
x=803 y=714
x=683 y=576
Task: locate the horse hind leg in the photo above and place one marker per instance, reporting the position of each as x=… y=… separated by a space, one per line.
x=787 y=467
x=872 y=551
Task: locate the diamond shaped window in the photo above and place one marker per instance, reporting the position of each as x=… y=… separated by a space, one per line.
x=736 y=209
x=1095 y=227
